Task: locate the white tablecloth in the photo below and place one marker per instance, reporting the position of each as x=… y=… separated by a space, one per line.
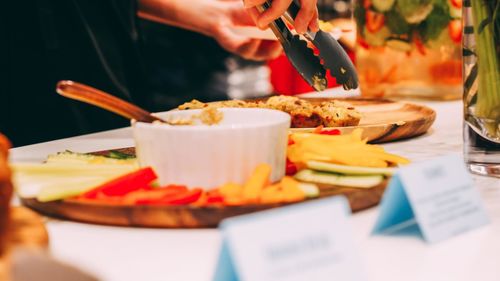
x=121 y=254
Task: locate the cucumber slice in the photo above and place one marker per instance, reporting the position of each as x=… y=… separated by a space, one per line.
x=348 y=170
x=59 y=191
x=311 y=190
x=415 y=11
x=340 y=180
x=378 y=38
x=398 y=44
x=383 y=5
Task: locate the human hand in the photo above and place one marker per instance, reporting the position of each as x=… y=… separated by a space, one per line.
x=234 y=14
x=213 y=18
x=306 y=18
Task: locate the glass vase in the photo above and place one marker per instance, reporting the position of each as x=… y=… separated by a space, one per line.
x=481 y=57
x=409 y=49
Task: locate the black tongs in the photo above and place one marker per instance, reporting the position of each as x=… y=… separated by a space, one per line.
x=311 y=67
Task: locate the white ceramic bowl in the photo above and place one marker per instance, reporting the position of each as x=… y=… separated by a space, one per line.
x=209 y=156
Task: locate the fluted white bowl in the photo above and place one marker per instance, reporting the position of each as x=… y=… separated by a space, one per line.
x=208 y=156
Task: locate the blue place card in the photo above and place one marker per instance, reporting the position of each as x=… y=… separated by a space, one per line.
x=307 y=241
x=437 y=196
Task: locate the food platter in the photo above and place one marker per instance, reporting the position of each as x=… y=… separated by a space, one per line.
x=183 y=216
x=381 y=121
x=385 y=120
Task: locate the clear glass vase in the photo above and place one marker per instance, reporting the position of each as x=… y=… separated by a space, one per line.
x=409 y=49
x=481 y=57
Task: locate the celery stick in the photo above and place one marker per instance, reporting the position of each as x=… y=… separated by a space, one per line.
x=488 y=97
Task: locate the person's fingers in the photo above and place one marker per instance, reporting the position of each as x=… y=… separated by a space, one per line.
x=314 y=24
x=228 y=39
x=254 y=14
x=249 y=49
x=253 y=3
x=278 y=8
x=305 y=15
x=237 y=44
x=268 y=50
x=241 y=16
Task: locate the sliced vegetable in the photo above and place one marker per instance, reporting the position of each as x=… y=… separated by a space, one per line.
x=455 y=30
x=374 y=21
x=65 y=189
x=149 y=195
x=256 y=182
x=419 y=44
x=398 y=44
x=415 y=11
x=348 y=170
x=337 y=179
x=122 y=185
x=456 y=3
x=291 y=168
x=331 y=132
x=310 y=190
x=383 y=5
x=183 y=198
x=378 y=38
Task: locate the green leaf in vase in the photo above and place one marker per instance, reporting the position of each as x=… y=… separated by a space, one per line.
x=415 y=11
x=435 y=23
x=396 y=23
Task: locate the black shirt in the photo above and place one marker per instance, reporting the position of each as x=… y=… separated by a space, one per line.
x=103 y=44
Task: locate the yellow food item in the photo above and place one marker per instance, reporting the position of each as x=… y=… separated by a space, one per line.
x=291 y=190
x=349 y=149
x=231 y=190
x=257 y=189
x=257 y=181
x=287 y=190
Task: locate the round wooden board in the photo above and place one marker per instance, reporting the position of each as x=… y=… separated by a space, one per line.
x=182 y=216
x=385 y=120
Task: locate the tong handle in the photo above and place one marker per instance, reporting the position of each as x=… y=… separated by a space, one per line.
x=278 y=26
x=293 y=10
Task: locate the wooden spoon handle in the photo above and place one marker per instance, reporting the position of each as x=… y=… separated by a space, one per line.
x=90 y=95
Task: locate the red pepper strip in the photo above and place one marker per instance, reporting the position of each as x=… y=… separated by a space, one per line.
x=291 y=168
x=124 y=184
x=180 y=188
x=181 y=198
x=333 y=132
x=141 y=197
x=214 y=197
x=374 y=21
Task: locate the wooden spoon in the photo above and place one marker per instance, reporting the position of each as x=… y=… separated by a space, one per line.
x=90 y=95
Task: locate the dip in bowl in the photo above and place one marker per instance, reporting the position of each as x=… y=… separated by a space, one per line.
x=208 y=156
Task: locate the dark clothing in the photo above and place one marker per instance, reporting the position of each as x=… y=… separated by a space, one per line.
x=100 y=43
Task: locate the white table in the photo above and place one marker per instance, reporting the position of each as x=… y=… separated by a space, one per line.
x=120 y=254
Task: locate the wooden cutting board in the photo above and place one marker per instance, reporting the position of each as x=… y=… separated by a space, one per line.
x=183 y=216
x=385 y=120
